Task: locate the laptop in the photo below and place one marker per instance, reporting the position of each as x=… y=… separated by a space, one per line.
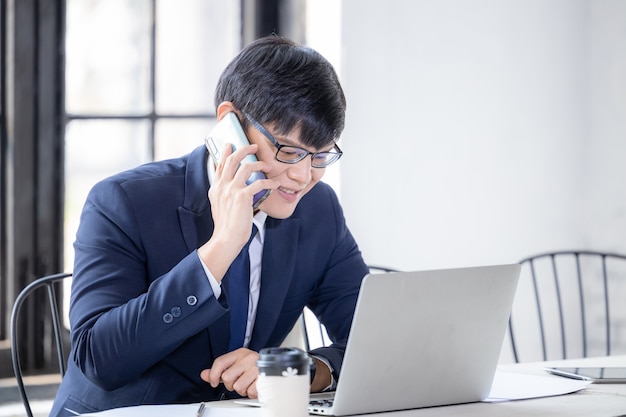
x=423 y=339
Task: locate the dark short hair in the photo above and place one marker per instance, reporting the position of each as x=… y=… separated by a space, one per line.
x=277 y=81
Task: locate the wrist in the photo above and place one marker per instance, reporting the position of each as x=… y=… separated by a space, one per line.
x=313 y=369
x=217 y=256
x=323 y=378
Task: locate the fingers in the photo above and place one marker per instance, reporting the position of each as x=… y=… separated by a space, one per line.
x=234 y=171
x=237 y=165
x=237 y=370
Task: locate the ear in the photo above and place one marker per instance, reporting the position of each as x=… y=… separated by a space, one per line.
x=224 y=108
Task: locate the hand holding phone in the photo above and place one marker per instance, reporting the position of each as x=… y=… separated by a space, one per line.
x=229 y=131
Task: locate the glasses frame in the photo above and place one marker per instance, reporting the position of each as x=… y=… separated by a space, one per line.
x=258 y=126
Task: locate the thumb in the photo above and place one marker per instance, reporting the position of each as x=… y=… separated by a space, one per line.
x=205 y=375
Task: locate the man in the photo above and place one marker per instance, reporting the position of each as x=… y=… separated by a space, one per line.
x=153 y=279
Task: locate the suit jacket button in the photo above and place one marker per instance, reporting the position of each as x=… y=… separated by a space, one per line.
x=167 y=318
x=192 y=300
x=176 y=311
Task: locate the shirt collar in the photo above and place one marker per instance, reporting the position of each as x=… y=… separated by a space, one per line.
x=259 y=222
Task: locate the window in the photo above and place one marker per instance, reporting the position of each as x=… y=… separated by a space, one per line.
x=134 y=83
x=140 y=78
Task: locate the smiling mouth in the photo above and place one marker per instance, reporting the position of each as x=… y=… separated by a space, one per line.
x=284 y=190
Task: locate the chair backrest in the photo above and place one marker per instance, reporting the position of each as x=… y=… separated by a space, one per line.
x=49 y=282
x=569 y=304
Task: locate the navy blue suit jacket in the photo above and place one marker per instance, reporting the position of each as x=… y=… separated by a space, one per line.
x=144 y=320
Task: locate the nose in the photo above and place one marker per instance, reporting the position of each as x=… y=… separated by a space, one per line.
x=301 y=171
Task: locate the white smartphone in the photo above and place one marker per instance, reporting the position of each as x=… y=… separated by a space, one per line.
x=229 y=130
x=599 y=375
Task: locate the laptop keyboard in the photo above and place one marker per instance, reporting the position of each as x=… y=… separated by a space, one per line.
x=321 y=403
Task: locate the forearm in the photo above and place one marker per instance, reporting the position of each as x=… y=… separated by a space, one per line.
x=117 y=336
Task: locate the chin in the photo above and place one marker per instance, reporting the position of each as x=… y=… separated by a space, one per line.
x=277 y=213
x=277 y=209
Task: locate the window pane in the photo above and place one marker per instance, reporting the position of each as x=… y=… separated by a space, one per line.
x=177 y=137
x=96 y=149
x=108 y=56
x=195 y=41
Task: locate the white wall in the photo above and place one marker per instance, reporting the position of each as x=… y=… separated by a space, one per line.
x=482 y=131
x=605 y=174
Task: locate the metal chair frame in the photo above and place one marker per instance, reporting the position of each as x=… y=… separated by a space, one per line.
x=48 y=282
x=554 y=258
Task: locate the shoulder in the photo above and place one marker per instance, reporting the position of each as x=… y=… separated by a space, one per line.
x=153 y=180
x=321 y=199
x=157 y=171
x=320 y=211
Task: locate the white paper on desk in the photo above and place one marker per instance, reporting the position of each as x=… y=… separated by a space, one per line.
x=177 y=410
x=516 y=386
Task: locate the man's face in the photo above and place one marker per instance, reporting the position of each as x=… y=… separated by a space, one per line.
x=295 y=179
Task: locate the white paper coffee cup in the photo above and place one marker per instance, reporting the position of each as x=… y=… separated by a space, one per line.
x=284 y=382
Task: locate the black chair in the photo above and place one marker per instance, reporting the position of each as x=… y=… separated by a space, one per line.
x=314 y=332
x=50 y=283
x=569 y=304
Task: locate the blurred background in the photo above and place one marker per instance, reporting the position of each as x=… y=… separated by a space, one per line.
x=478 y=131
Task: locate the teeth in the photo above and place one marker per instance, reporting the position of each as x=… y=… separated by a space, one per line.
x=287 y=191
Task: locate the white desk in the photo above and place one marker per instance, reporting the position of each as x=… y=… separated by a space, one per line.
x=597 y=400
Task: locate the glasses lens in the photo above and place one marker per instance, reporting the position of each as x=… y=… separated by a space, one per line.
x=291 y=154
x=323 y=159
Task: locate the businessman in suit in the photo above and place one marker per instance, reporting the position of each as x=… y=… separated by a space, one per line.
x=151 y=299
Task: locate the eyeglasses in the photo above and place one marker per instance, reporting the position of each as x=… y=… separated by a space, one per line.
x=294 y=154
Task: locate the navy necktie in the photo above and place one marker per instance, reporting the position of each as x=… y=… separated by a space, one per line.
x=238 y=276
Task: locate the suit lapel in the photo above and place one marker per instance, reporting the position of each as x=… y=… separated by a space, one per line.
x=278 y=265
x=195 y=217
x=196 y=227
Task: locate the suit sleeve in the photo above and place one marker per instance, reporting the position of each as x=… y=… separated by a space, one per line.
x=124 y=320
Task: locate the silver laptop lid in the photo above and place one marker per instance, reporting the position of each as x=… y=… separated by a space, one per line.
x=426 y=338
